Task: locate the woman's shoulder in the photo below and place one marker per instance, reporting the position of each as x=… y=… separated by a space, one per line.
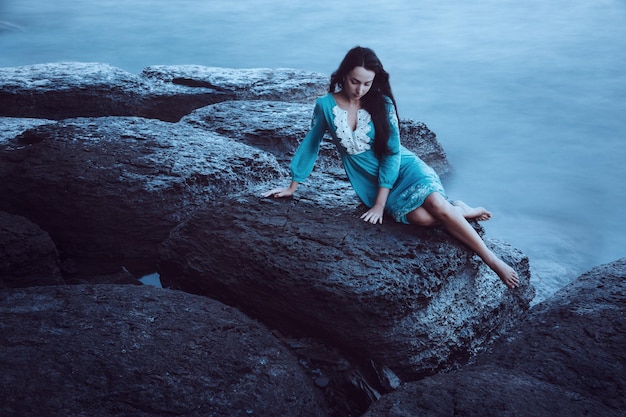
x=391 y=106
x=325 y=102
x=326 y=99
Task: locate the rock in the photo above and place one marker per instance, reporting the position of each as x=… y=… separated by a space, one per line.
x=413 y=299
x=177 y=90
x=278 y=127
x=28 y=256
x=75 y=89
x=280 y=84
x=109 y=190
x=417 y=137
x=117 y=185
x=110 y=350
x=14 y=126
x=273 y=126
x=69 y=89
x=348 y=387
x=566 y=358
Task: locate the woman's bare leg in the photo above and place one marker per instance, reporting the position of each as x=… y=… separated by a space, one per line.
x=455 y=223
x=421 y=217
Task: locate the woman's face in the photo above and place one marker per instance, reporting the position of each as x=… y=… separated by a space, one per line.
x=358 y=82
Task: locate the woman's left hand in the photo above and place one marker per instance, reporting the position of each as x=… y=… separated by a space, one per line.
x=374 y=215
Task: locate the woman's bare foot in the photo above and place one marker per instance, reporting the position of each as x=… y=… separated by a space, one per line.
x=506 y=273
x=477 y=213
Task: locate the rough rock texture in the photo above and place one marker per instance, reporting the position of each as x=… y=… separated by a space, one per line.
x=120 y=184
x=12 y=127
x=115 y=177
x=412 y=298
x=138 y=351
x=243 y=84
x=28 y=256
x=76 y=89
x=566 y=358
x=109 y=190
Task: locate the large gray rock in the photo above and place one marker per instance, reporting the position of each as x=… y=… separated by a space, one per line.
x=69 y=89
x=28 y=256
x=413 y=299
x=15 y=126
x=76 y=89
x=566 y=358
x=139 y=351
x=280 y=84
x=109 y=190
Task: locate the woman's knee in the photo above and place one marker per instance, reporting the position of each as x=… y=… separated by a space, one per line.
x=437 y=206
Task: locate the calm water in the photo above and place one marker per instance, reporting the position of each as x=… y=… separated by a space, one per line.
x=528 y=98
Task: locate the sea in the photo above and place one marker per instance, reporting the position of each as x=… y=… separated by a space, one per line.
x=528 y=98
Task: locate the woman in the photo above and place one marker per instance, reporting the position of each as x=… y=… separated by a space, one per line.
x=360 y=114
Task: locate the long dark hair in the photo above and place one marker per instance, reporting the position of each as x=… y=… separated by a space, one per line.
x=374 y=101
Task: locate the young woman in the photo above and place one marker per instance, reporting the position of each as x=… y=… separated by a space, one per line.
x=360 y=114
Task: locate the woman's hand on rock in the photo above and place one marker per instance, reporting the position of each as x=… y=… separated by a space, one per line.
x=279 y=192
x=374 y=215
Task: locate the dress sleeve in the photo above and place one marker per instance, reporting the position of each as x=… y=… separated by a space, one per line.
x=306 y=154
x=390 y=162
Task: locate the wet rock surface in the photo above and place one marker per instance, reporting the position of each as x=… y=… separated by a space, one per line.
x=76 y=89
x=566 y=358
x=109 y=190
x=129 y=173
x=28 y=257
x=110 y=350
x=412 y=299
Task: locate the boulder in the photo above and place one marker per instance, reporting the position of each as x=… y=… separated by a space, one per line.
x=110 y=350
x=28 y=256
x=77 y=89
x=69 y=89
x=15 y=126
x=566 y=358
x=276 y=84
x=413 y=299
x=109 y=190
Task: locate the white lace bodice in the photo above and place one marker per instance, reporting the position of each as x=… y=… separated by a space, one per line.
x=354 y=141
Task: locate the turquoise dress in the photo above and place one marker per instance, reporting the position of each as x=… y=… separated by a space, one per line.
x=409 y=178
